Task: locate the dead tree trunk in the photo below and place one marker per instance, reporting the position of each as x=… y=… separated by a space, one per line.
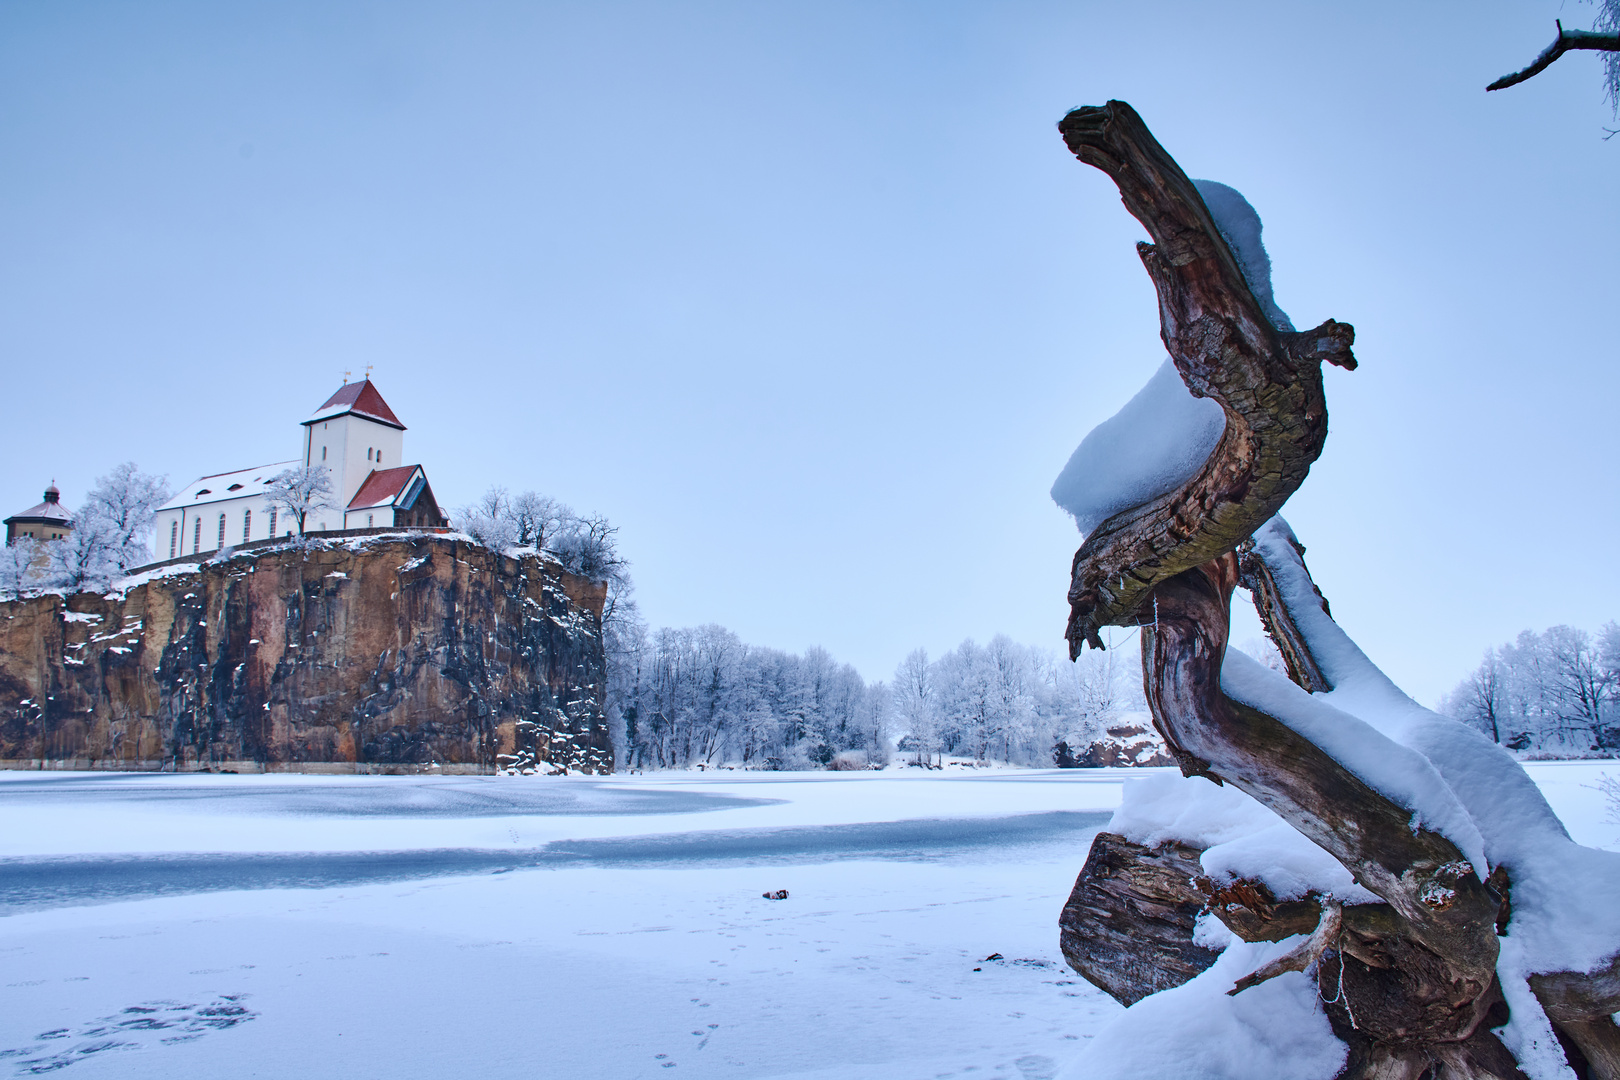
x=1410 y=983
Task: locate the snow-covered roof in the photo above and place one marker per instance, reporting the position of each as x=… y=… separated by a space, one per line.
x=389 y=487
x=360 y=398
x=48 y=512
x=221 y=487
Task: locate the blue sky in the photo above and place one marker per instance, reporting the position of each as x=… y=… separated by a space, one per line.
x=809 y=297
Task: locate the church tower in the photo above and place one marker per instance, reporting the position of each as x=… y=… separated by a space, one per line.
x=354 y=434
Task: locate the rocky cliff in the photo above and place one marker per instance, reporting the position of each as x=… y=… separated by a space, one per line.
x=392 y=654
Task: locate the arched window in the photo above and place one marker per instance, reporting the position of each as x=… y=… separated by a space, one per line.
x=174 y=537
x=196 y=537
x=221 y=532
x=368 y=453
x=247 y=525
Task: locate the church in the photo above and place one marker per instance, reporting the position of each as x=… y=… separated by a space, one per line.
x=354 y=435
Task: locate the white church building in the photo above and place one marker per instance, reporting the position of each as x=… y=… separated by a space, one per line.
x=356 y=436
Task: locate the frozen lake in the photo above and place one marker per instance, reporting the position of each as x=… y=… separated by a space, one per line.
x=274 y=926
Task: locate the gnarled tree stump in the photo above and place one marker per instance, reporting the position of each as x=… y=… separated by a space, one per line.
x=1420 y=967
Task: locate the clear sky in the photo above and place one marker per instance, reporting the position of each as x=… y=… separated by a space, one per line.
x=809 y=297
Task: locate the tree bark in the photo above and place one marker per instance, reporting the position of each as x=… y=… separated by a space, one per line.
x=1128 y=924
x=1269 y=383
x=1409 y=983
x=1422 y=978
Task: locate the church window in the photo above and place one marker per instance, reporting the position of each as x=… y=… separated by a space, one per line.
x=368 y=521
x=368 y=453
x=272 y=532
x=323 y=453
x=174 y=537
x=221 y=531
x=247 y=525
x=196 y=537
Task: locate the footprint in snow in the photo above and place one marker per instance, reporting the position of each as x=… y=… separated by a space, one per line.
x=1036 y=1067
x=149 y=1024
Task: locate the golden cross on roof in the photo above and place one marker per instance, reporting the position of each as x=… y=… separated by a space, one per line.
x=346 y=378
x=368 y=370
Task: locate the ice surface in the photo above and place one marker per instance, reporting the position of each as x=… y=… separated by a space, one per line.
x=1163 y=435
x=650 y=954
x=653 y=950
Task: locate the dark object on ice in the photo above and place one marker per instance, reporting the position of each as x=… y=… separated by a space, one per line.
x=994 y=956
x=779 y=894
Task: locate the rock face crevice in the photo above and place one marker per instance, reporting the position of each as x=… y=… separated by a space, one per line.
x=402 y=654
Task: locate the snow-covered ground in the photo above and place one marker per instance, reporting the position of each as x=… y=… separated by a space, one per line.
x=279 y=926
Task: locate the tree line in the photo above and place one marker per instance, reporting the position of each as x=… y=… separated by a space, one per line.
x=1553 y=694
x=701 y=696
x=683 y=697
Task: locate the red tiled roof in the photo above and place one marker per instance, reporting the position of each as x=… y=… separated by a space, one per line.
x=382 y=486
x=360 y=397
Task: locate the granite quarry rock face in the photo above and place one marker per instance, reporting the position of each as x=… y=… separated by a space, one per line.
x=396 y=654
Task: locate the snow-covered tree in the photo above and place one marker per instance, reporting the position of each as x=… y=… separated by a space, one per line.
x=84 y=559
x=489 y=521
x=22 y=564
x=301 y=491
x=536 y=518
x=916 y=712
x=121 y=507
x=588 y=545
x=1551 y=694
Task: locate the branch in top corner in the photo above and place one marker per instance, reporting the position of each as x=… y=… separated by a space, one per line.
x=1564 y=42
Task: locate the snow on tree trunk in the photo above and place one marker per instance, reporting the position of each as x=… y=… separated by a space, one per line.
x=1451 y=905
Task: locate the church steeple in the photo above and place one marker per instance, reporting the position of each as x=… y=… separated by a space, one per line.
x=353 y=434
x=360 y=398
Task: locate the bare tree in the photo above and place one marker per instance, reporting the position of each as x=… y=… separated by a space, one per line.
x=536 y=518
x=1481 y=699
x=301 y=491
x=589 y=545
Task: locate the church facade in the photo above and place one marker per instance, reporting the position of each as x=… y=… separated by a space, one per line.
x=356 y=437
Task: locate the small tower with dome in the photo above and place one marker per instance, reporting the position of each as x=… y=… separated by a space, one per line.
x=49 y=520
